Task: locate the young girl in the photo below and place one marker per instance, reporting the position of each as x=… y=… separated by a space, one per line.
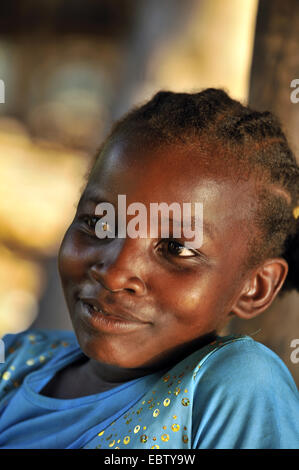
x=146 y=367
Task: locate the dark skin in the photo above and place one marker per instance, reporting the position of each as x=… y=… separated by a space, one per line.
x=182 y=299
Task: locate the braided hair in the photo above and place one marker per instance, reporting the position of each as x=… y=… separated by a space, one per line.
x=253 y=139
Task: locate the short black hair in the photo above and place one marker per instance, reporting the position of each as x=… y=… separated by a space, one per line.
x=252 y=138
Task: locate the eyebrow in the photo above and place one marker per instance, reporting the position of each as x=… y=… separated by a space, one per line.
x=92 y=196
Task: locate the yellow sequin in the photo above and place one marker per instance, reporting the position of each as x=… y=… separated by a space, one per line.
x=156 y=413
x=127 y=440
x=166 y=401
x=185 y=401
x=177 y=391
x=30 y=362
x=111 y=444
x=165 y=437
x=6 y=375
x=185 y=438
x=101 y=433
x=175 y=427
x=136 y=429
x=155 y=447
x=166 y=378
x=143 y=438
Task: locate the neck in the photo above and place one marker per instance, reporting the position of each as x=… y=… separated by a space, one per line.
x=112 y=375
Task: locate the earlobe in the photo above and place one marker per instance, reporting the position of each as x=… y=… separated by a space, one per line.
x=261 y=289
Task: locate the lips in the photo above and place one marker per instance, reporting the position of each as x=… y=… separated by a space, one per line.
x=101 y=309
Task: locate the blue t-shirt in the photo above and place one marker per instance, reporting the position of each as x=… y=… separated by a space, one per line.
x=231 y=394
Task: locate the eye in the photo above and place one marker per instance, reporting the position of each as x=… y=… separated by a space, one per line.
x=90 y=221
x=174 y=248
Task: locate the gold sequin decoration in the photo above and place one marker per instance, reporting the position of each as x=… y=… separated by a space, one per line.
x=185 y=401
x=155 y=447
x=156 y=413
x=177 y=391
x=111 y=444
x=136 y=429
x=166 y=378
x=6 y=375
x=175 y=427
x=185 y=438
x=166 y=401
x=165 y=437
x=101 y=433
x=143 y=438
x=126 y=440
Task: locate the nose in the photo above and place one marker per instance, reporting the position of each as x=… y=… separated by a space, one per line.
x=119 y=268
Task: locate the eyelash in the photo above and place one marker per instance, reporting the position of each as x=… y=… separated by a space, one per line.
x=89 y=218
x=167 y=241
x=164 y=242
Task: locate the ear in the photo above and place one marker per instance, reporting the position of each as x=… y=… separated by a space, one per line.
x=261 y=289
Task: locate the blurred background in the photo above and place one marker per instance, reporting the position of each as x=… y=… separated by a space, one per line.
x=70 y=68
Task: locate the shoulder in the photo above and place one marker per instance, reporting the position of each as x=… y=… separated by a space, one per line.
x=244 y=388
x=30 y=350
x=244 y=367
x=35 y=340
x=234 y=358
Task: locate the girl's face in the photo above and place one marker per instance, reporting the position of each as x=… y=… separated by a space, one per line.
x=159 y=297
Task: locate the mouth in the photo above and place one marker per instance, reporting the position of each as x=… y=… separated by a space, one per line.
x=106 y=317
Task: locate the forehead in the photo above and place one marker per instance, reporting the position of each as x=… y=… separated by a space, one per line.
x=175 y=173
x=171 y=173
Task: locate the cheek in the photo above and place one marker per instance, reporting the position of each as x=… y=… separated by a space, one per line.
x=71 y=259
x=194 y=298
x=180 y=296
